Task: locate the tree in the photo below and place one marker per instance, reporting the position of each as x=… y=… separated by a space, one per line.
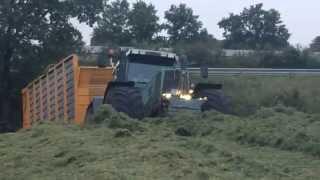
x=182 y=24
x=143 y=22
x=205 y=36
x=255 y=28
x=315 y=45
x=31 y=32
x=200 y=52
x=113 y=26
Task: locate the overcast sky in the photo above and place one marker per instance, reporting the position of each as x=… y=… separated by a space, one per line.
x=301 y=17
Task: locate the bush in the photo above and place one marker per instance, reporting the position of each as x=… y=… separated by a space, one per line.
x=199 y=53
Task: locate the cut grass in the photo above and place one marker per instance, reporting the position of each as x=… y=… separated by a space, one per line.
x=220 y=147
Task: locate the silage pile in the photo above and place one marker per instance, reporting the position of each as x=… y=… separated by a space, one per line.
x=275 y=143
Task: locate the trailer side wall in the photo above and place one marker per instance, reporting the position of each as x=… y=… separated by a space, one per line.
x=64 y=92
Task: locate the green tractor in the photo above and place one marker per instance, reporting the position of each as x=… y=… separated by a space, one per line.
x=150 y=83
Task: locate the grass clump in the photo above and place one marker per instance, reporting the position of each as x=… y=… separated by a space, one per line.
x=115 y=120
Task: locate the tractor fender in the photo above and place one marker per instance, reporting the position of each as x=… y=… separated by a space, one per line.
x=114 y=84
x=205 y=86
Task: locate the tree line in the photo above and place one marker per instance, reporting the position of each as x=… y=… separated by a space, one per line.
x=254 y=28
x=124 y=26
x=36 y=33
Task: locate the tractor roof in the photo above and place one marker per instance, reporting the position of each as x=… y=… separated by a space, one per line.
x=152 y=53
x=152 y=57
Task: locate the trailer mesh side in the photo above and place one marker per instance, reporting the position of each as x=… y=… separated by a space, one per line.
x=51 y=97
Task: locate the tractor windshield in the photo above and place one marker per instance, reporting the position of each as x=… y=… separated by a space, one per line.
x=143 y=68
x=138 y=72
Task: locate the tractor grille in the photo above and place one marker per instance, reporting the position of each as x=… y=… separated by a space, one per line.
x=171 y=80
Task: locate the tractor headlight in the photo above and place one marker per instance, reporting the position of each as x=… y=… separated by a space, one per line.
x=186 y=97
x=167 y=95
x=203 y=99
x=191 y=91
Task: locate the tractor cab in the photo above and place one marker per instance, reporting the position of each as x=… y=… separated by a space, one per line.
x=141 y=66
x=152 y=73
x=147 y=68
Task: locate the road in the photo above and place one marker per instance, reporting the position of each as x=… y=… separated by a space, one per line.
x=257 y=72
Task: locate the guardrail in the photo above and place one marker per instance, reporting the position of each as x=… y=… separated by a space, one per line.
x=257 y=71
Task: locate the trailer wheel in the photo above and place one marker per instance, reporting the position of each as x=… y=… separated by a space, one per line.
x=127 y=100
x=216 y=100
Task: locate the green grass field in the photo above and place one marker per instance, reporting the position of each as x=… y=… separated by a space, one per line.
x=273 y=143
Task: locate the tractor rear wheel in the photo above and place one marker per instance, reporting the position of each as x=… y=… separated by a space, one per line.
x=216 y=100
x=127 y=100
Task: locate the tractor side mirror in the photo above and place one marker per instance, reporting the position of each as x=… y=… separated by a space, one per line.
x=184 y=61
x=204 y=71
x=106 y=57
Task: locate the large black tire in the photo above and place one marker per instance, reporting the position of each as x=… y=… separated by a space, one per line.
x=127 y=100
x=216 y=100
x=3 y=127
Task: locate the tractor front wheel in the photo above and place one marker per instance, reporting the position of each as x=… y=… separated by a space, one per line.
x=127 y=100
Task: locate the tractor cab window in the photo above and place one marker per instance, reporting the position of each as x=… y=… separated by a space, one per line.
x=143 y=73
x=143 y=68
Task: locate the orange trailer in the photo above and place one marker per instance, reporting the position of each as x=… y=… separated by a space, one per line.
x=64 y=92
